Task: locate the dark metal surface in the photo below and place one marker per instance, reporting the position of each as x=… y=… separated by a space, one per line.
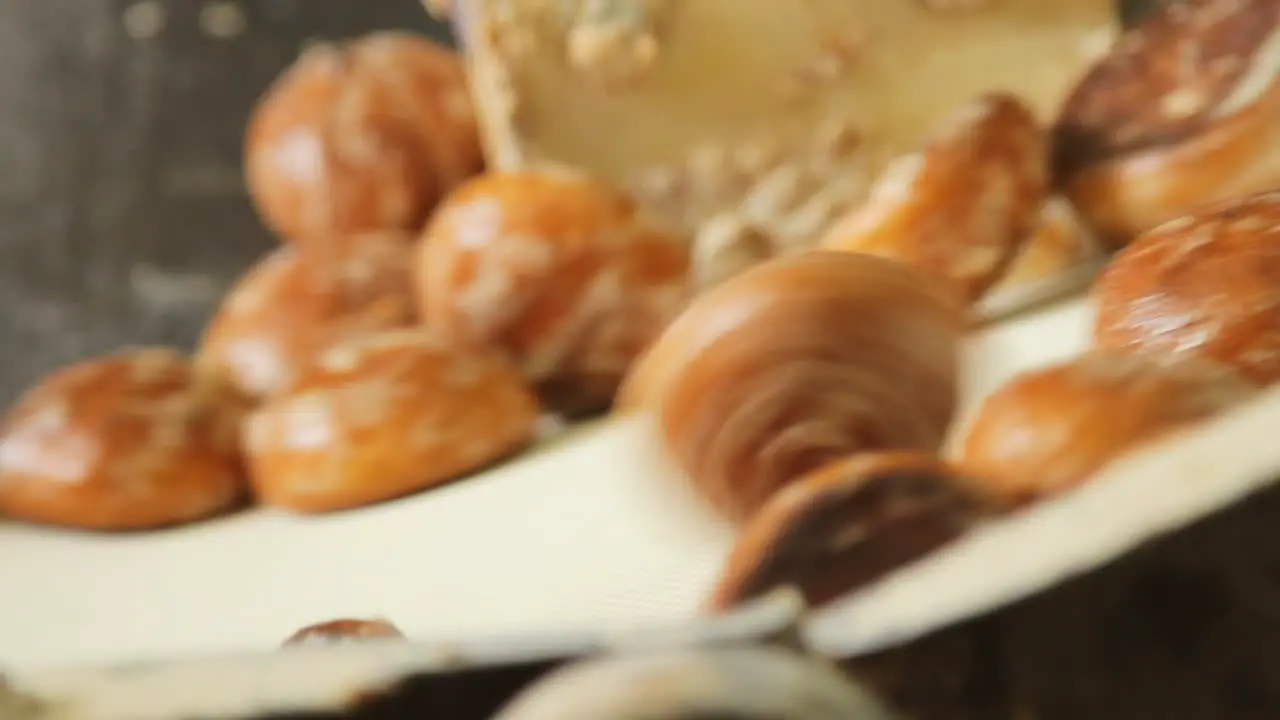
x=122 y=213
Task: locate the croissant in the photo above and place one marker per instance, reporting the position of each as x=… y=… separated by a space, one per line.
x=797 y=362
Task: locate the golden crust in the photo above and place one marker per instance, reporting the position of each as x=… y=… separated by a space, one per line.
x=130 y=441
x=1050 y=430
x=290 y=306
x=960 y=206
x=557 y=269
x=362 y=135
x=384 y=416
x=1207 y=284
x=1185 y=110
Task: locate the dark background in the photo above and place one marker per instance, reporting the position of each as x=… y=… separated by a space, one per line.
x=123 y=217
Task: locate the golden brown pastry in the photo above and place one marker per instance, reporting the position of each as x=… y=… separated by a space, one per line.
x=291 y=305
x=798 y=362
x=1047 y=431
x=385 y=416
x=959 y=207
x=129 y=441
x=558 y=270
x=848 y=524
x=1185 y=110
x=364 y=134
x=1207 y=285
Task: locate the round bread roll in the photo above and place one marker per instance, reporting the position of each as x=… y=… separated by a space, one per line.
x=558 y=270
x=1207 y=285
x=384 y=416
x=129 y=441
x=1184 y=110
x=364 y=134
x=291 y=305
x=798 y=362
x=1049 y=430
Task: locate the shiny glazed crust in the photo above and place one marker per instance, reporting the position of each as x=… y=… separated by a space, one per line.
x=385 y=416
x=557 y=269
x=130 y=441
x=1207 y=284
x=1049 y=430
x=959 y=207
x=289 y=306
x=361 y=135
x=1184 y=111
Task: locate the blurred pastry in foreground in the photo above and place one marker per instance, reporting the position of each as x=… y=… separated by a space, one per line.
x=134 y=440
x=727 y=681
x=557 y=269
x=1184 y=111
x=959 y=207
x=359 y=135
x=1207 y=284
x=1048 y=430
x=847 y=524
x=291 y=305
x=798 y=362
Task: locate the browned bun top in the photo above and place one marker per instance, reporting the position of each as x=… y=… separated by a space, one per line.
x=291 y=305
x=1207 y=284
x=560 y=270
x=127 y=441
x=358 y=135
